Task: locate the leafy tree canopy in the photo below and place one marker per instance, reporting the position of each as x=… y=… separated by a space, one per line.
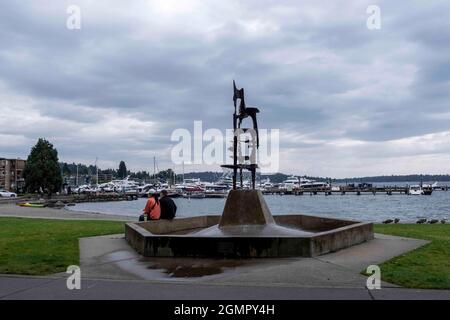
x=42 y=170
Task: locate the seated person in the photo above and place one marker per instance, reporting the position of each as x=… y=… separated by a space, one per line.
x=152 y=208
x=168 y=206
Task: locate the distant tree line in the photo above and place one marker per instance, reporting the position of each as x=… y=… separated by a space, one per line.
x=207 y=176
x=70 y=169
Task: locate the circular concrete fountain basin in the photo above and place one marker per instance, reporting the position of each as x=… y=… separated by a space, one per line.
x=189 y=237
x=246 y=229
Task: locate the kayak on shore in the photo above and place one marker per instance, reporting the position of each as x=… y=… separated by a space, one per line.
x=31 y=205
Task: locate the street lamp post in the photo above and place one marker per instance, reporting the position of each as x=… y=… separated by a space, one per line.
x=96 y=169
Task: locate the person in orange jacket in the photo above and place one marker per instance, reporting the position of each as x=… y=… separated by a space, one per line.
x=152 y=208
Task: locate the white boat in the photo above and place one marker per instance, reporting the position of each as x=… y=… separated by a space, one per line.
x=422 y=189
x=191 y=188
x=226 y=179
x=294 y=183
x=107 y=187
x=290 y=183
x=146 y=189
x=415 y=190
x=312 y=184
x=213 y=190
x=190 y=185
x=85 y=189
x=126 y=186
x=266 y=184
x=335 y=188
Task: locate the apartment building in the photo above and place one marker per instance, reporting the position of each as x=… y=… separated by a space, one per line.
x=11 y=174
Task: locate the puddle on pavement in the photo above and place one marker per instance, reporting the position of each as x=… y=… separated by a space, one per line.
x=194 y=268
x=165 y=268
x=119 y=255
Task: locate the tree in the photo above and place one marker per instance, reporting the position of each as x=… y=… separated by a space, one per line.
x=122 y=173
x=66 y=170
x=42 y=170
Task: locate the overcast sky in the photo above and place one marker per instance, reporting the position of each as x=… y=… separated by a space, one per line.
x=348 y=101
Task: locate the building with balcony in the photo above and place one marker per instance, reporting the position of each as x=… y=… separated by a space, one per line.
x=11 y=174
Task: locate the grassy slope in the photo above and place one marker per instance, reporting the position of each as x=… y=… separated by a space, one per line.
x=426 y=267
x=38 y=246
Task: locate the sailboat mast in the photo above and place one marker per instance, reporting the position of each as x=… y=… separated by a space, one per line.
x=154 y=168
x=96 y=169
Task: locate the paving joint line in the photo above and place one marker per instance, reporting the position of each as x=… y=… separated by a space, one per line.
x=26 y=289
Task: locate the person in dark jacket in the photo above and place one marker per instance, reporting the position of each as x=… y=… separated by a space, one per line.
x=168 y=206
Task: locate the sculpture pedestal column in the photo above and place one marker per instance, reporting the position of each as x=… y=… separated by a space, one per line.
x=245 y=207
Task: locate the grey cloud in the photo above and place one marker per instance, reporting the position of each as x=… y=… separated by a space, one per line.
x=312 y=69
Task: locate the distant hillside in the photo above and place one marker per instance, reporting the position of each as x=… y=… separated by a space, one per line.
x=210 y=176
x=207 y=176
x=279 y=177
x=402 y=178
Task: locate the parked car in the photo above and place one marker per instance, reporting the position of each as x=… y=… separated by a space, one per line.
x=4 y=193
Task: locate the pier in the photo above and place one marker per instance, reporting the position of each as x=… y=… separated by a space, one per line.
x=343 y=190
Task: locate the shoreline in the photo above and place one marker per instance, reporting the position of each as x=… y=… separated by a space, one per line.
x=13 y=210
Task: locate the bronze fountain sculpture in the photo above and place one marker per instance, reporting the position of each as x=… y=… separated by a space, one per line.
x=243 y=162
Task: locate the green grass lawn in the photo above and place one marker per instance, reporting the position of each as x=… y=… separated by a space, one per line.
x=40 y=246
x=426 y=267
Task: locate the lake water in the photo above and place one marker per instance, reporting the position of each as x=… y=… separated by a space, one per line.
x=366 y=207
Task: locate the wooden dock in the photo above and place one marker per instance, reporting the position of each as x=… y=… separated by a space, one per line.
x=389 y=190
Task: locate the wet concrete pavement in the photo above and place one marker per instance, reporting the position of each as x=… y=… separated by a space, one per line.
x=110 y=269
x=110 y=257
x=54 y=288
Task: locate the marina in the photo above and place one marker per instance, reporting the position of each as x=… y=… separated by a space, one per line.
x=195 y=188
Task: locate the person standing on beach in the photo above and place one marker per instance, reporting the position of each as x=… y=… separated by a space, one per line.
x=152 y=208
x=168 y=206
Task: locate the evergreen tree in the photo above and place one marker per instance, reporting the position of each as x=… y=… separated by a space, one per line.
x=42 y=170
x=122 y=173
x=66 y=170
